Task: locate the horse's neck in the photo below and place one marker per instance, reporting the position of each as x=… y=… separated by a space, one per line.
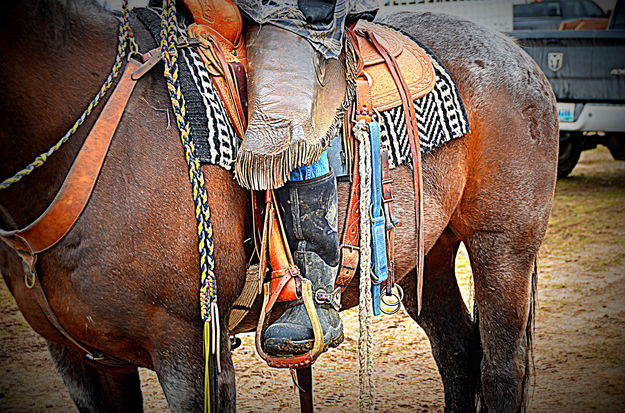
x=55 y=56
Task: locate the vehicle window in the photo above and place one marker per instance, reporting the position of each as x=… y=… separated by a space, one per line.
x=619 y=16
x=574 y=9
x=592 y=10
x=546 y=9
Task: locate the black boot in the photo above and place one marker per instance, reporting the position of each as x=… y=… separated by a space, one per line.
x=309 y=211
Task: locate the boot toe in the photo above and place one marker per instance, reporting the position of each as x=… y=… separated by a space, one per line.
x=288 y=338
x=285 y=338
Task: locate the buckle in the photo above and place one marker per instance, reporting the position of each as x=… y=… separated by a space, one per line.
x=333 y=298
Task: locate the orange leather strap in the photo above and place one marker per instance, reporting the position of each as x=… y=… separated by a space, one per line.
x=61 y=215
x=350 y=251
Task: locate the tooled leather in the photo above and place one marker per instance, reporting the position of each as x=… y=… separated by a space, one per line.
x=221 y=16
x=415 y=149
x=218 y=26
x=414 y=64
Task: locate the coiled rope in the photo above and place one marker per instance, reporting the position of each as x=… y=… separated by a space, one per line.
x=126 y=46
x=208 y=288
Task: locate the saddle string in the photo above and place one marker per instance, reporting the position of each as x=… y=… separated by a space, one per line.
x=126 y=47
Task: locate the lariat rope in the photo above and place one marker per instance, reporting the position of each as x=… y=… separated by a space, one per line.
x=208 y=288
x=366 y=400
x=126 y=46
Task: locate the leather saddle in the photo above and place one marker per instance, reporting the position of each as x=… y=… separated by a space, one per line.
x=219 y=29
x=414 y=64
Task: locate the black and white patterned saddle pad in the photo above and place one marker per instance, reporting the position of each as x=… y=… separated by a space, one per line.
x=440 y=114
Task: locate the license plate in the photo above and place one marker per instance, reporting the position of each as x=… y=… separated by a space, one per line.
x=566 y=112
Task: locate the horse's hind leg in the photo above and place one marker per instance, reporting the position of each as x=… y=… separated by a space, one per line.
x=97 y=389
x=502 y=269
x=445 y=319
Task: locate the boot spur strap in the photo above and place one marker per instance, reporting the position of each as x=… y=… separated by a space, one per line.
x=333 y=298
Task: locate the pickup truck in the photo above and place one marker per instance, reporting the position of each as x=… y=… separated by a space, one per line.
x=587 y=72
x=551 y=14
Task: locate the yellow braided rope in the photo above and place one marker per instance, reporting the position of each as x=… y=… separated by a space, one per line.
x=208 y=286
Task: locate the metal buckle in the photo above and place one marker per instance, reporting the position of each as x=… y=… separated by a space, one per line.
x=333 y=298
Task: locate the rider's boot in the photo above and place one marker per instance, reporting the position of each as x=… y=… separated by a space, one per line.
x=309 y=211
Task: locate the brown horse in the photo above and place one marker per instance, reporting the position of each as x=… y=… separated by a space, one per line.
x=125 y=281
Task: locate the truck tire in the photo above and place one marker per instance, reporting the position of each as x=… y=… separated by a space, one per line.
x=616 y=145
x=570 y=150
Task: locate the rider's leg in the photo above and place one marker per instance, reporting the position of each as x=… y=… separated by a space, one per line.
x=309 y=207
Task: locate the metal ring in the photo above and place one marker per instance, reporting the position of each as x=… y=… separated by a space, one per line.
x=394 y=307
x=399 y=296
x=30 y=279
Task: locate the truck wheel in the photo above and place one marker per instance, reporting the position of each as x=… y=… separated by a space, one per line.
x=616 y=145
x=570 y=150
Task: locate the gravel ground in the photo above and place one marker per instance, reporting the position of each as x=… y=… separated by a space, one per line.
x=580 y=328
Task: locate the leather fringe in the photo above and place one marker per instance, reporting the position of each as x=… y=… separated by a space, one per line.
x=261 y=172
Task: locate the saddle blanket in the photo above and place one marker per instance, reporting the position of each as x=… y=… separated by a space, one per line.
x=441 y=115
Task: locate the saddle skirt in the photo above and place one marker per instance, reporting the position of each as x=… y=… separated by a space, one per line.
x=414 y=63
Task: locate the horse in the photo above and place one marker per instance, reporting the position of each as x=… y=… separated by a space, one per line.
x=124 y=281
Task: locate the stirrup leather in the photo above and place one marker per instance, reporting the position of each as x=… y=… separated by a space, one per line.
x=286 y=284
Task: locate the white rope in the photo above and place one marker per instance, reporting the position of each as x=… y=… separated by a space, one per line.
x=366 y=400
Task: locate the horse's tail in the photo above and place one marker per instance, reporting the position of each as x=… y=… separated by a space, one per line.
x=476 y=370
x=529 y=349
x=530 y=368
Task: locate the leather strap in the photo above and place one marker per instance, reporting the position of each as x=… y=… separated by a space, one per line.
x=415 y=149
x=350 y=250
x=378 y=222
x=61 y=215
x=391 y=221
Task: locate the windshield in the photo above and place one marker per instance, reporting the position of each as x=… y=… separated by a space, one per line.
x=546 y=9
x=592 y=10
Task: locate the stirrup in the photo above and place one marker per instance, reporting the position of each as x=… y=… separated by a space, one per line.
x=288 y=285
x=300 y=360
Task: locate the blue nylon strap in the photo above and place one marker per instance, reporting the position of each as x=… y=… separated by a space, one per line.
x=315 y=170
x=378 y=222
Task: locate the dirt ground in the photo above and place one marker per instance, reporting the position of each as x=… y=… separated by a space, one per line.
x=580 y=329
